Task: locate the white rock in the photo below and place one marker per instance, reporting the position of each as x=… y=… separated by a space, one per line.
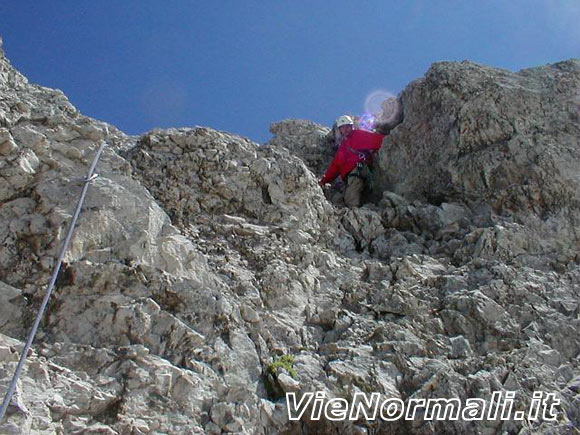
x=7 y=144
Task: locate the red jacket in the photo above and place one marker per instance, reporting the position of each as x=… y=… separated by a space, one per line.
x=349 y=154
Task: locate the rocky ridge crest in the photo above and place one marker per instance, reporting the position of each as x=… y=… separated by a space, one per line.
x=202 y=258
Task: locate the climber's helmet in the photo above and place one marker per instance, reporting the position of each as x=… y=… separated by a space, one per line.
x=345 y=125
x=344 y=120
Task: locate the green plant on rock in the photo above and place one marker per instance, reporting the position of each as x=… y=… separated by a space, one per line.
x=286 y=362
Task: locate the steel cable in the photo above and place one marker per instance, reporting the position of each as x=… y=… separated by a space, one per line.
x=90 y=177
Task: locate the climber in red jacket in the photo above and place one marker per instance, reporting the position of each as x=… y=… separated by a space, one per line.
x=351 y=162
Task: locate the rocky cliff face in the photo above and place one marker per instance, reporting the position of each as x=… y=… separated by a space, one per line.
x=208 y=275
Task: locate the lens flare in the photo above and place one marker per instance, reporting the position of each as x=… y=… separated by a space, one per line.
x=383 y=105
x=368 y=121
x=375 y=99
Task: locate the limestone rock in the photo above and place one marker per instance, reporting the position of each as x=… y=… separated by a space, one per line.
x=201 y=257
x=305 y=140
x=478 y=135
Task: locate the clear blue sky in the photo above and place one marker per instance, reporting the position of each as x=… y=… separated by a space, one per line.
x=239 y=65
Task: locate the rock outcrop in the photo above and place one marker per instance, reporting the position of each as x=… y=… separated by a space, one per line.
x=498 y=141
x=209 y=276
